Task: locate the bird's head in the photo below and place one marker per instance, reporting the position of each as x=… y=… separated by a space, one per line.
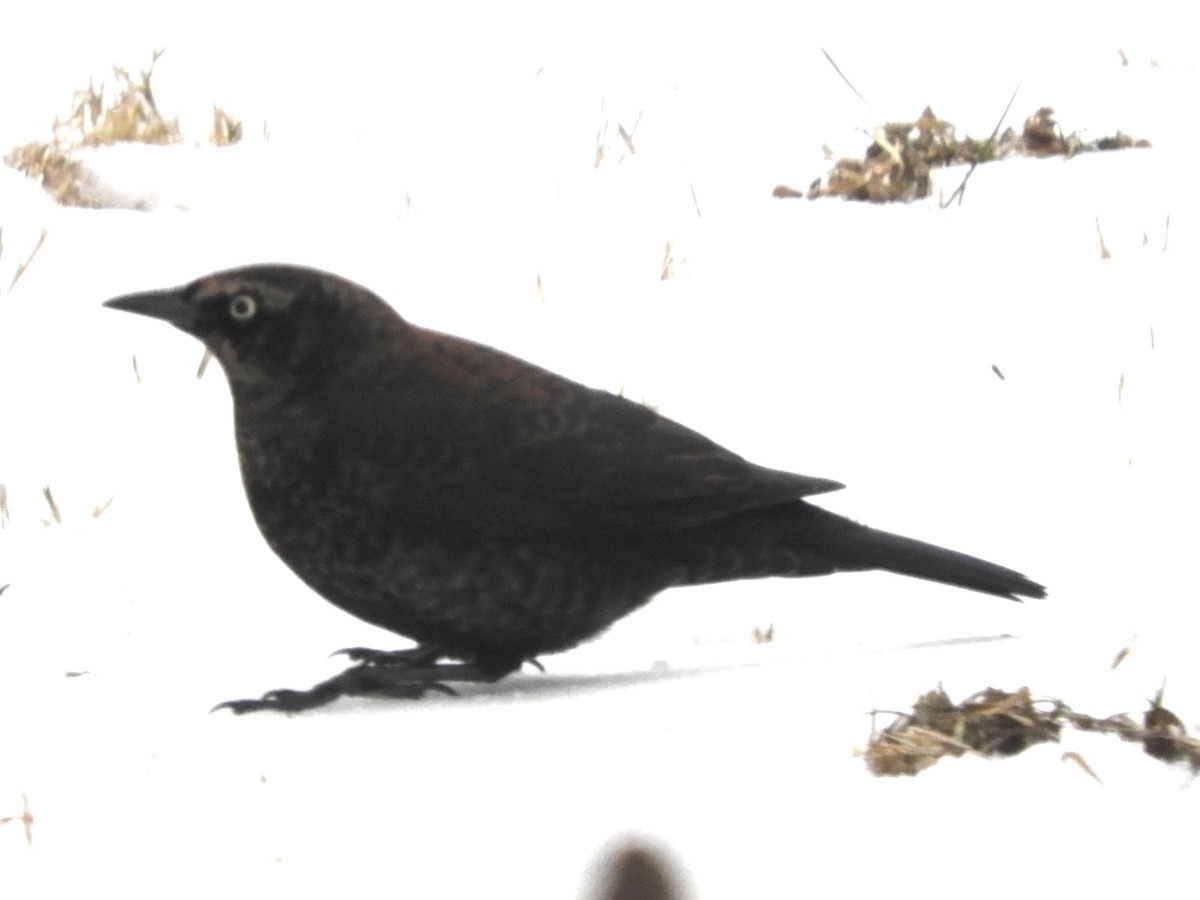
x=271 y=321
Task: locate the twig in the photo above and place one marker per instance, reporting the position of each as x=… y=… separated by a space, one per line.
x=24 y=264
x=995 y=131
x=53 y=506
x=842 y=74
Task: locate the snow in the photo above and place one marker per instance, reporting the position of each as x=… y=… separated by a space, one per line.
x=445 y=158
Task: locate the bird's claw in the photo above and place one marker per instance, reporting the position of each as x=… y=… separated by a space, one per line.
x=362 y=680
x=281 y=700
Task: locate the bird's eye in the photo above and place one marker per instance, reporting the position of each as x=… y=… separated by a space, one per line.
x=243 y=308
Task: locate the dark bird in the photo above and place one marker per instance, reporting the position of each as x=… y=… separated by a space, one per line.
x=488 y=509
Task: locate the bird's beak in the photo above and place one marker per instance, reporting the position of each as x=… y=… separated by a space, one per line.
x=169 y=305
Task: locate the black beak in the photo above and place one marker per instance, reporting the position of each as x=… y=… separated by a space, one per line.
x=169 y=305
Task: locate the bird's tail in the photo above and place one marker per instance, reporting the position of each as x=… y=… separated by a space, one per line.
x=850 y=546
x=800 y=539
x=861 y=547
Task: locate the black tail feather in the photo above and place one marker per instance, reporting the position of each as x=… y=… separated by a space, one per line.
x=850 y=546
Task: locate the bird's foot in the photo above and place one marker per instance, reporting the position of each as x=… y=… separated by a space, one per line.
x=382 y=674
x=362 y=680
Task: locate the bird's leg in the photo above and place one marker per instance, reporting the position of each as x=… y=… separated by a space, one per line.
x=378 y=676
x=420 y=655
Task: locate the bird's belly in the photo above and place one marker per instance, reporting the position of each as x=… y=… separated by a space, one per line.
x=495 y=596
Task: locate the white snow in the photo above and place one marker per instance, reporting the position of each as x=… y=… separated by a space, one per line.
x=446 y=159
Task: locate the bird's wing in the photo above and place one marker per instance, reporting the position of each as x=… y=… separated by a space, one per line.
x=528 y=453
x=621 y=465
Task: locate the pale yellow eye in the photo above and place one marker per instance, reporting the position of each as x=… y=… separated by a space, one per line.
x=243 y=308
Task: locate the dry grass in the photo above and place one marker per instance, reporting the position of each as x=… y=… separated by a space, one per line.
x=226 y=130
x=897 y=164
x=54 y=513
x=24 y=264
x=993 y=722
x=129 y=114
x=25 y=818
x=763 y=635
x=617 y=149
x=21 y=267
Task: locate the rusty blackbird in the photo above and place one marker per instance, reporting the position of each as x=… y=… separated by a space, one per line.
x=485 y=508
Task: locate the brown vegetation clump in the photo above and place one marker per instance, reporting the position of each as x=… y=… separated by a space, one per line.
x=897 y=164
x=993 y=722
x=989 y=723
x=129 y=115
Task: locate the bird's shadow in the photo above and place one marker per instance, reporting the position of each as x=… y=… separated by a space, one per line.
x=537 y=685
x=543 y=684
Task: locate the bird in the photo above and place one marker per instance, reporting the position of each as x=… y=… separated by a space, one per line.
x=487 y=509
